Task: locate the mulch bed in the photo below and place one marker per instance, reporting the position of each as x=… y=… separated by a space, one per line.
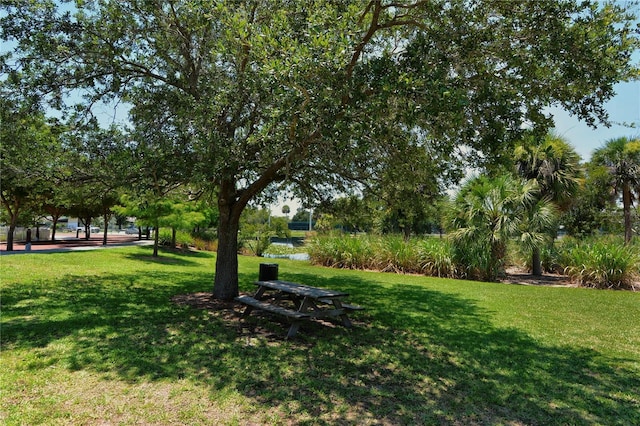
x=517 y=276
x=206 y=301
x=232 y=310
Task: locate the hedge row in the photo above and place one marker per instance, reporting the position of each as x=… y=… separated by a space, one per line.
x=599 y=263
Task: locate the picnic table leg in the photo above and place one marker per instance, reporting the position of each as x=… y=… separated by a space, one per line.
x=305 y=305
x=246 y=312
x=259 y=292
x=345 y=319
x=293 y=329
x=249 y=308
x=295 y=325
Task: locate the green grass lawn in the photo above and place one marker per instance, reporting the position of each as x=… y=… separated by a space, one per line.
x=94 y=338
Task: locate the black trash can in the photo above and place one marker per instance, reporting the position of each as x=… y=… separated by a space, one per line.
x=268 y=272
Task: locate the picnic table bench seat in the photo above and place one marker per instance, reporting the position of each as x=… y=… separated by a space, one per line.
x=311 y=303
x=345 y=306
x=265 y=306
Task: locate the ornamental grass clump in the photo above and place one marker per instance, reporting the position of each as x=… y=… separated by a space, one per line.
x=180 y=239
x=389 y=253
x=436 y=258
x=341 y=251
x=322 y=251
x=398 y=255
x=603 y=264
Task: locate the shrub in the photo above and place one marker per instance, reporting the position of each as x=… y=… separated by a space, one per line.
x=436 y=258
x=340 y=251
x=183 y=239
x=602 y=263
x=473 y=261
x=390 y=253
x=205 y=244
x=394 y=254
x=206 y=234
x=257 y=244
x=519 y=254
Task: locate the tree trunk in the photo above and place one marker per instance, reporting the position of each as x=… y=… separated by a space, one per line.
x=497 y=253
x=536 y=263
x=626 y=206
x=10 y=233
x=406 y=233
x=225 y=284
x=156 y=239
x=231 y=203
x=106 y=218
x=87 y=229
x=54 y=227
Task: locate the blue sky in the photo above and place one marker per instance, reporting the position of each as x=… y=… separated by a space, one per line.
x=623 y=108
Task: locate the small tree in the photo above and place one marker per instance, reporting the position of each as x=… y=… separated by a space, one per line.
x=279 y=225
x=555 y=166
x=486 y=213
x=255 y=232
x=588 y=212
x=621 y=158
x=148 y=209
x=182 y=216
x=29 y=146
x=55 y=206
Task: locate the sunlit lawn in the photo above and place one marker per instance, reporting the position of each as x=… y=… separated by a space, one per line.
x=94 y=338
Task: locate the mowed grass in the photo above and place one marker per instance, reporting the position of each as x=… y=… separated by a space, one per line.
x=94 y=338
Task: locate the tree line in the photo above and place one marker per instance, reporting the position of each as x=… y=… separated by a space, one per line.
x=53 y=171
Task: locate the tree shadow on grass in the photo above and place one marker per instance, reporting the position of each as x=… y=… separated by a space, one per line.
x=178 y=257
x=436 y=357
x=416 y=356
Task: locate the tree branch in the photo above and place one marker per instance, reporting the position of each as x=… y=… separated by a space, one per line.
x=373 y=27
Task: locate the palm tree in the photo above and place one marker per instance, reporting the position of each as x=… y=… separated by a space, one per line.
x=487 y=212
x=555 y=166
x=621 y=157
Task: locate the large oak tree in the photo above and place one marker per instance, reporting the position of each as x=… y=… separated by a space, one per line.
x=269 y=93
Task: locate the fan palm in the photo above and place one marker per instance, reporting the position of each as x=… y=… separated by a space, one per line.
x=621 y=157
x=555 y=166
x=487 y=212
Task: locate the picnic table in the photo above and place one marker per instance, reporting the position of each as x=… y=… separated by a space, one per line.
x=306 y=303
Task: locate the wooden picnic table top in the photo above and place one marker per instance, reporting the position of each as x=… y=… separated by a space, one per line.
x=301 y=289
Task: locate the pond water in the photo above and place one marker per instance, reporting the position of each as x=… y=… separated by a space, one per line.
x=292 y=256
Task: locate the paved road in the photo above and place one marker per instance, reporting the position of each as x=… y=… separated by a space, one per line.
x=65 y=242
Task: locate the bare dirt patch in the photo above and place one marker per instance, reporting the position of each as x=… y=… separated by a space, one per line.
x=515 y=275
x=519 y=276
x=262 y=325
x=232 y=310
x=227 y=310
